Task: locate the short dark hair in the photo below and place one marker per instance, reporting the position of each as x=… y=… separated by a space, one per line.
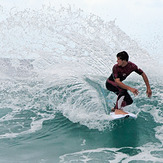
x=123 y=55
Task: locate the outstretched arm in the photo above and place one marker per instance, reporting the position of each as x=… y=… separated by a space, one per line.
x=145 y=78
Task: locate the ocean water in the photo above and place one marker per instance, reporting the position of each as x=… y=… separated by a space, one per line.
x=54 y=106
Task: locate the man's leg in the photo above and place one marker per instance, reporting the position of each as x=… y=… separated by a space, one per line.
x=112 y=86
x=123 y=99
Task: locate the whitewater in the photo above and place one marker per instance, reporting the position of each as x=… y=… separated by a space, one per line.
x=54 y=106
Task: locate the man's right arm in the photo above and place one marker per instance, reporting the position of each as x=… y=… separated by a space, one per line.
x=124 y=86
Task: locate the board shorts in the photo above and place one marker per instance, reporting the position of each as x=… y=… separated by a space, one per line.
x=123 y=98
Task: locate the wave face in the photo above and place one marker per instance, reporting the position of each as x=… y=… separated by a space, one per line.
x=54 y=104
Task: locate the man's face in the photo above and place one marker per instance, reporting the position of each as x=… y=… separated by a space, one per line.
x=119 y=61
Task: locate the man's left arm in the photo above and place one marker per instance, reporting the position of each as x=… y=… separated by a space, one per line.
x=145 y=78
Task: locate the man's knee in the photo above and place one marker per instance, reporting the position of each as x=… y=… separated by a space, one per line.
x=129 y=101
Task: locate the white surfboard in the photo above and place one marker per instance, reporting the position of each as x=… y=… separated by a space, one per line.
x=122 y=116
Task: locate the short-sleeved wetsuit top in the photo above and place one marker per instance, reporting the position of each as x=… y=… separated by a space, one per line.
x=123 y=72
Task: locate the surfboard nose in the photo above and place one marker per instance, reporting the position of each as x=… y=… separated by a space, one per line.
x=127 y=116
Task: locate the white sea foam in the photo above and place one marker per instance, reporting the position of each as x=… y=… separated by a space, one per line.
x=145 y=153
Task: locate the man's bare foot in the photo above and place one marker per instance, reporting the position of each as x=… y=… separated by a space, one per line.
x=119 y=111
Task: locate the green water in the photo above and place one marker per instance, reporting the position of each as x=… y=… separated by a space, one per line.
x=56 y=138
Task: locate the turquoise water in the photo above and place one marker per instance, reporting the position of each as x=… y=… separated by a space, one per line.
x=54 y=105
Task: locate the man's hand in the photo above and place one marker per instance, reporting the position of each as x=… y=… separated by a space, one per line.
x=145 y=78
x=149 y=92
x=134 y=91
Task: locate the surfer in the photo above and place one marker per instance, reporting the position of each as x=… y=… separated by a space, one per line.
x=114 y=83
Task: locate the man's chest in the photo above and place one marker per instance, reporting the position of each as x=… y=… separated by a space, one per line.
x=124 y=72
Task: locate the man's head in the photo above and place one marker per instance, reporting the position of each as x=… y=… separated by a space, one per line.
x=123 y=56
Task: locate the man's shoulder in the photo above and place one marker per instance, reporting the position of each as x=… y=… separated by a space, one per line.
x=131 y=64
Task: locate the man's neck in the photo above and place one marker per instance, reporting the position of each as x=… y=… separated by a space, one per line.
x=124 y=63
